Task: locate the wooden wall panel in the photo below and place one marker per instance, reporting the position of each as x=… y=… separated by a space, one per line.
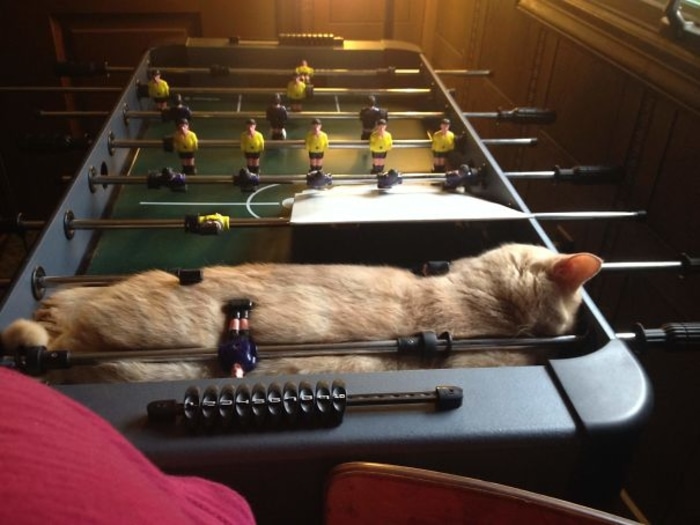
x=584 y=130
x=674 y=208
x=408 y=21
x=358 y=20
x=606 y=114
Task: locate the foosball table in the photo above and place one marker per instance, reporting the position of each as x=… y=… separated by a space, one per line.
x=566 y=428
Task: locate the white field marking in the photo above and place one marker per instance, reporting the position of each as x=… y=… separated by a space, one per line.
x=248 y=203
x=252 y=195
x=337 y=104
x=240 y=103
x=149 y=203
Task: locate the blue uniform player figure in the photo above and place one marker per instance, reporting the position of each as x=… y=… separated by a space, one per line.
x=370 y=115
x=238 y=353
x=277 y=117
x=177 y=111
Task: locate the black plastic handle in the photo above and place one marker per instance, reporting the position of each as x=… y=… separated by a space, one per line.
x=37 y=360
x=53 y=143
x=12 y=225
x=80 y=69
x=674 y=336
x=596 y=174
x=528 y=116
x=689 y=264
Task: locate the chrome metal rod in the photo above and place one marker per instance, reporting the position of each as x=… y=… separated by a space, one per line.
x=293 y=115
x=321 y=72
x=464 y=72
x=269 y=144
x=525 y=141
x=265 y=179
x=94 y=280
x=299 y=144
x=85 y=280
x=273 y=351
x=120 y=224
x=96 y=68
x=586 y=215
x=645 y=265
x=299 y=115
x=60 y=89
x=530 y=174
x=321 y=91
x=74 y=114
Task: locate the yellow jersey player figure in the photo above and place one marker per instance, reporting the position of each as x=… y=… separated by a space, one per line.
x=443 y=143
x=252 y=145
x=380 y=144
x=158 y=90
x=296 y=92
x=316 y=145
x=305 y=71
x=185 y=143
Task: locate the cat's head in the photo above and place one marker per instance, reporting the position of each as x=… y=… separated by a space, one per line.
x=535 y=289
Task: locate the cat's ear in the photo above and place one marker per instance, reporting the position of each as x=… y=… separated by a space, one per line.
x=572 y=271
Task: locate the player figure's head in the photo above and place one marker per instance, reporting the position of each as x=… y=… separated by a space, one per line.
x=445 y=124
x=316 y=124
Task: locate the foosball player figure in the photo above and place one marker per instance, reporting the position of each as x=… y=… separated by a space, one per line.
x=167 y=177
x=296 y=92
x=465 y=176
x=443 y=142
x=380 y=143
x=177 y=111
x=316 y=145
x=247 y=181
x=210 y=224
x=389 y=179
x=252 y=145
x=185 y=144
x=277 y=117
x=238 y=353
x=369 y=116
x=305 y=71
x=158 y=90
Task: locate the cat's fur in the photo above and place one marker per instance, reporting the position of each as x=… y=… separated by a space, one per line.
x=514 y=290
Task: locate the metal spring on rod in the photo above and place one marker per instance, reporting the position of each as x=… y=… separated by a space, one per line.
x=244 y=408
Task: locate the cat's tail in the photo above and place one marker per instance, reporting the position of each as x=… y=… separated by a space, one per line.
x=23 y=332
x=26 y=333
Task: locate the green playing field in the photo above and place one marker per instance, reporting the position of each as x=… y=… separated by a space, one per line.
x=132 y=250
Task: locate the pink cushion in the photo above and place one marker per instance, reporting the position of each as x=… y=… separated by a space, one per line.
x=61 y=463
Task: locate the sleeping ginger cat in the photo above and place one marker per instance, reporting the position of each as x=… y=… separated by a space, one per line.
x=514 y=290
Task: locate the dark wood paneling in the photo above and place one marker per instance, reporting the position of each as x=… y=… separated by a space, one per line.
x=612 y=114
